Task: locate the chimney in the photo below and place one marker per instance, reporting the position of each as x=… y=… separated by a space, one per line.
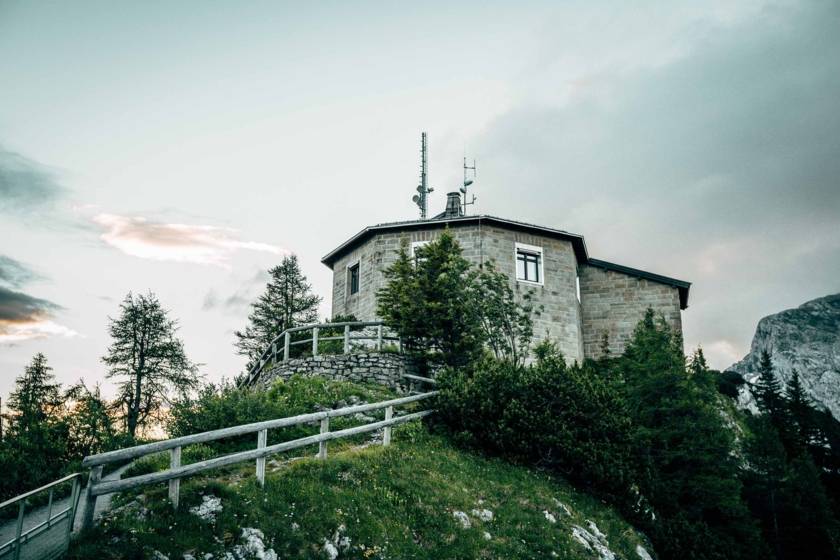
x=453 y=205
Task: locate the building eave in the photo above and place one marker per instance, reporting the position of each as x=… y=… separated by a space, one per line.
x=577 y=241
x=682 y=286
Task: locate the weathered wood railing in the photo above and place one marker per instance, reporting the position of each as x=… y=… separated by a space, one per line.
x=48 y=538
x=97 y=487
x=280 y=347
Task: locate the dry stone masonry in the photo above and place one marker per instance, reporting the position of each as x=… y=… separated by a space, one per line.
x=383 y=368
x=582 y=299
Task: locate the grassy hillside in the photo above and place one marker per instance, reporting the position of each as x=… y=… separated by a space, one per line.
x=419 y=498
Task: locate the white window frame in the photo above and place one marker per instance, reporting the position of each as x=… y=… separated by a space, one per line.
x=347 y=292
x=415 y=244
x=524 y=247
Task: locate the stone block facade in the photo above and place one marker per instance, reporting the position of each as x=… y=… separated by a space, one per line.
x=559 y=318
x=372 y=367
x=580 y=299
x=613 y=303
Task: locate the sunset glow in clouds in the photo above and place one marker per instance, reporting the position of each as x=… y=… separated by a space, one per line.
x=198 y=244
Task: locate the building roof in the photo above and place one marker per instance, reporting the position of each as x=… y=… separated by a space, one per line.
x=681 y=285
x=440 y=222
x=455 y=221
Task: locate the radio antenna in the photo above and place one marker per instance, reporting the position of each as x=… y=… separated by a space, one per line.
x=467 y=183
x=422 y=198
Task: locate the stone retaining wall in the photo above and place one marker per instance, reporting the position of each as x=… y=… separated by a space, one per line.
x=373 y=367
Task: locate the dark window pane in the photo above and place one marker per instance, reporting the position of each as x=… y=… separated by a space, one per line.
x=354 y=278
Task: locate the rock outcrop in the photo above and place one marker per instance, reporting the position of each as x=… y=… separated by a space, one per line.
x=805 y=340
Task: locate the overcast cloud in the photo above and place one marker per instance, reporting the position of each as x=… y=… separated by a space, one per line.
x=694 y=139
x=720 y=165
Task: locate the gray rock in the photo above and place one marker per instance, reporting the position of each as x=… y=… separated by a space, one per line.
x=805 y=339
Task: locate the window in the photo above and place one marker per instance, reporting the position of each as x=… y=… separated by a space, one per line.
x=529 y=266
x=414 y=246
x=353 y=278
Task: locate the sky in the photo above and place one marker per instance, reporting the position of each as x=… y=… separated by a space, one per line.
x=185 y=147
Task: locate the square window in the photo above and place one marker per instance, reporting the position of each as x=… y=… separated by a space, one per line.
x=413 y=250
x=529 y=264
x=353 y=278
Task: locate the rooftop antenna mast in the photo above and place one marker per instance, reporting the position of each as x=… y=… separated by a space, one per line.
x=422 y=199
x=467 y=183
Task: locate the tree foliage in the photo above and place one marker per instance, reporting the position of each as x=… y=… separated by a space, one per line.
x=35 y=443
x=567 y=418
x=446 y=310
x=684 y=450
x=287 y=302
x=147 y=359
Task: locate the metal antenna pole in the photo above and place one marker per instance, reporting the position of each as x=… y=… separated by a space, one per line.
x=467 y=183
x=423 y=190
x=424 y=201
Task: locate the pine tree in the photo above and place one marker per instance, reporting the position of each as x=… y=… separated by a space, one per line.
x=287 y=302
x=768 y=389
x=148 y=359
x=684 y=450
x=431 y=303
x=37 y=431
x=36 y=398
x=802 y=411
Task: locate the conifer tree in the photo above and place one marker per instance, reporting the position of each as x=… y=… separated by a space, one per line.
x=431 y=302
x=684 y=450
x=36 y=398
x=148 y=359
x=802 y=411
x=287 y=302
x=768 y=389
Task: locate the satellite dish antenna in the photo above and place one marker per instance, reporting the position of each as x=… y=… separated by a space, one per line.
x=416 y=199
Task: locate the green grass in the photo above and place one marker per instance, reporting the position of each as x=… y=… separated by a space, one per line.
x=395 y=502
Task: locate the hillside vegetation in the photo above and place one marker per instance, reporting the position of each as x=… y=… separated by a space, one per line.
x=419 y=498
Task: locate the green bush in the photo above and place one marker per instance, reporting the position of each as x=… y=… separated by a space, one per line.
x=225 y=405
x=568 y=418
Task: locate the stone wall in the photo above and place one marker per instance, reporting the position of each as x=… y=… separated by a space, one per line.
x=560 y=318
x=374 y=367
x=612 y=303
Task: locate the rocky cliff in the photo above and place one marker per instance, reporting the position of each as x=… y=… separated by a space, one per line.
x=805 y=339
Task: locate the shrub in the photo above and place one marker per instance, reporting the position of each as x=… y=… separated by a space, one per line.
x=567 y=418
x=225 y=405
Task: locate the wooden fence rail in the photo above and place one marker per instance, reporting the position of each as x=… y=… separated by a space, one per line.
x=96 y=487
x=48 y=538
x=280 y=348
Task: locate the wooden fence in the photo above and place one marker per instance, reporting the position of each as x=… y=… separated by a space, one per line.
x=97 y=487
x=280 y=347
x=51 y=525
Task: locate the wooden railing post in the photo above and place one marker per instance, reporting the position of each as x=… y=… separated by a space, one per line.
x=90 y=499
x=379 y=337
x=346 y=339
x=49 y=508
x=314 y=341
x=274 y=352
x=386 y=435
x=19 y=529
x=262 y=436
x=175 y=483
x=74 y=501
x=322 y=446
x=287 y=342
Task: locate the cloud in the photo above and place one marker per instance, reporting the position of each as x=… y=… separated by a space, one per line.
x=241 y=299
x=717 y=161
x=15 y=274
x=199 y=244
x=24 y=317
x=25 y=185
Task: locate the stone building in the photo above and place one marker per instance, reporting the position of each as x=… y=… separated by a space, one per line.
x=584 y=300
